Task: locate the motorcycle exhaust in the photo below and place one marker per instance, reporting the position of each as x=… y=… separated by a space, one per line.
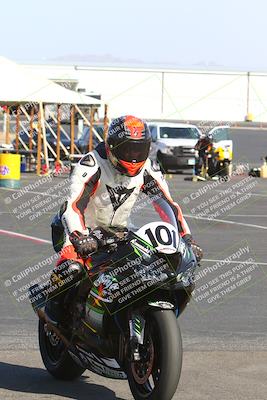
x=101 y=345
x=51 y=326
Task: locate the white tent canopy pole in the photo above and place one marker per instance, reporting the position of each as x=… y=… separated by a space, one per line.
x=48 y=145
x=44 y=135
x=51 y=114
x=55 y=136
x=88 y=123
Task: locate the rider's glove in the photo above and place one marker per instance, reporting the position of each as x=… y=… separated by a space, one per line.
x=83 y=244
x=195 y=247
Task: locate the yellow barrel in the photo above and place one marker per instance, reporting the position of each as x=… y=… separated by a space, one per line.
x=249 y=117
x=263 y=170
x=10 y=170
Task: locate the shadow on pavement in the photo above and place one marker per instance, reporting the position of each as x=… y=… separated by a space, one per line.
x=18 y=378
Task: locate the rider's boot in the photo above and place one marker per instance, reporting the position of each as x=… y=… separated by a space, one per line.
x=63 y=277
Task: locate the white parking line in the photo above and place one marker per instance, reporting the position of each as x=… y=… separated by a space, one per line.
x=25 y=237
x=258 y=194
x=233 y=262
x=248 y=215
x=224 y=221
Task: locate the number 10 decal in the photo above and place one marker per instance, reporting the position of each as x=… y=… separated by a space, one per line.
x=162 y=235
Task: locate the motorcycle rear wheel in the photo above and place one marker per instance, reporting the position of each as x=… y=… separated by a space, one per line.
x=157 y=375
x=55 y=357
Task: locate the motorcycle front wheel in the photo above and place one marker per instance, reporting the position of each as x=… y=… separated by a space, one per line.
x=156 y=375
x=55 y=357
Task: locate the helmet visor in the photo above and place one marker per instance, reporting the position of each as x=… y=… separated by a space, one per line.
x=132 y=151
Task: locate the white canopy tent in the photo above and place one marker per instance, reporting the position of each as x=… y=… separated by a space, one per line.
x=19 y=86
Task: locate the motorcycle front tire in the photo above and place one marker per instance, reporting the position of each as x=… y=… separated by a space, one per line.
x=170 y=353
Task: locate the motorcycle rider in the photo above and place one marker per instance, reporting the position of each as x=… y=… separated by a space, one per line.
x=104 y=187
x=202 y=147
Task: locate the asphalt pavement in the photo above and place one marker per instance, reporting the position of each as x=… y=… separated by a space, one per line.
x=223 y=328
x=249 y=145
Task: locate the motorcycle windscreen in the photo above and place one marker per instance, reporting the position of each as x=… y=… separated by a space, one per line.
x=159 y=211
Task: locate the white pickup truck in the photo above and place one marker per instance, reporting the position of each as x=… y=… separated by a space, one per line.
x=173 y=144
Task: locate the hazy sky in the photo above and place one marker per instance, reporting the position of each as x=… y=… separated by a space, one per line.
x=229 y=33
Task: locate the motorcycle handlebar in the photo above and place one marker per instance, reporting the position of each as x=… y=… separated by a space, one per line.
x=114 y=239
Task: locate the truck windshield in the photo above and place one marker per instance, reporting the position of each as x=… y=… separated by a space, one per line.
x=167 y=132
x=220 y=134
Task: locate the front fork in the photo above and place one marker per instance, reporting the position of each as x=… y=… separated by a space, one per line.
x=137 y=332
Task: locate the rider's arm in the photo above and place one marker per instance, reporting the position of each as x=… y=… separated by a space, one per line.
x=156 y=187
x=198 y=145
x=84 y=181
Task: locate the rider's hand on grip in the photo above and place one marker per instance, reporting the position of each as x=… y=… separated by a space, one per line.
x=83 y=244
x=197 y=250
x=195 y=247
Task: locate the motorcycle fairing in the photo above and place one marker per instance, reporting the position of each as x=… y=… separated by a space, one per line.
x=107 y=367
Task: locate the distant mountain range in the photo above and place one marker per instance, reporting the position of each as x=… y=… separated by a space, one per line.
x=94 y=58
x=110 y=60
